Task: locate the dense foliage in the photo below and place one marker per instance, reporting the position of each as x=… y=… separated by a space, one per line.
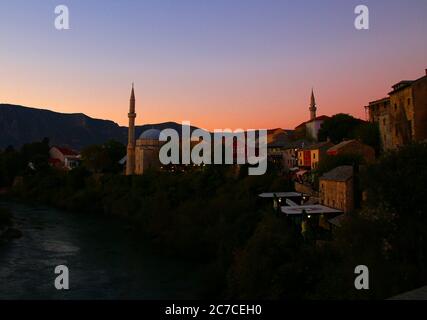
x=389 y=235
x=212 y=215
x=201 y=215
x=104 y=158
x=19 y=162
x=343 y=126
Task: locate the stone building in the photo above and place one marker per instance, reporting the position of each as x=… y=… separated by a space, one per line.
x=290 y=156
x=283 y=149
x=64 y=158
x=353 y=147
x=402 y=114
x=379 y=113
x=402 y=117
x=310 y=156
x=277 y=140
x=147 y=151
x=336 y=189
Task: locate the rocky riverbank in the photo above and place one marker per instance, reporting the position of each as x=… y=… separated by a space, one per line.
x=7 y=230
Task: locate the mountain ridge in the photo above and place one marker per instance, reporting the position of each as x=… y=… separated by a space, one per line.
x=21 y=124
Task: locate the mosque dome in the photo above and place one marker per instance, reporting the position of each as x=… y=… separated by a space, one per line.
x=150 y=134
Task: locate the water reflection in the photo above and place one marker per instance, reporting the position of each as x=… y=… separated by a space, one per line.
x=104 y=261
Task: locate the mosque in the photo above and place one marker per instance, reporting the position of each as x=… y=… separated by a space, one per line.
x=142 y=153
x=310 y=129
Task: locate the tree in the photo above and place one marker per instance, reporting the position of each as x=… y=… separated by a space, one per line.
x=115 y=151
x=398 y=181
x=103 y=158
x=11 y=164
x=14 y=163
x=369 y=134
x=339 y=127
x=95 y=158
x=271 y=265
x=396 y=189
x=36 y=150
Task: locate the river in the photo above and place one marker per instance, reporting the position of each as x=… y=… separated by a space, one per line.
x=104 y=260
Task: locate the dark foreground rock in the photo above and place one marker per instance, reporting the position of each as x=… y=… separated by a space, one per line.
x=10 y=234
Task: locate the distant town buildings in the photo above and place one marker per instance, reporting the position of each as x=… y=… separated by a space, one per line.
x=402 y=116
x=310 y=156
x=63 y=158
x=282 y=145
x=282 y=148
x=336 y=189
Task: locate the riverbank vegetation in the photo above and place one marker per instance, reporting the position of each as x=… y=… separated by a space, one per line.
x=201 y=216
x=342 y=126
x=213 y=216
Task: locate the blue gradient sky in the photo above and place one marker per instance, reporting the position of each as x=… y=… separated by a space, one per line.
x=222 y=63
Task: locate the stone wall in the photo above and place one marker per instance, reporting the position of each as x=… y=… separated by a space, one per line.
x=420 y=112
x=337 y=194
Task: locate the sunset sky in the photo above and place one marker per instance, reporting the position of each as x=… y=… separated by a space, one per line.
x=217 y=63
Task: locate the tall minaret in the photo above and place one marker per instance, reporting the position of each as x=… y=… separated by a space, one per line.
x=130 y=163
x=313 y=107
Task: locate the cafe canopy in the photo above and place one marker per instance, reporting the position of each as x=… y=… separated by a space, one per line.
x=315 y=209
x=280 y=194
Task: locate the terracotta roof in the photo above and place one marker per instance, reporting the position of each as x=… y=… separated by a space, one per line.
x=66 y=151
x=342 y=173
x=342 y=144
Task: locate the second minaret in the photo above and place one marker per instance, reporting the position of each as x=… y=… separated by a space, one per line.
x=130 y=162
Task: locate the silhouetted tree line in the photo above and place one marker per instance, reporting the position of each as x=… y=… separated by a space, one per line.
x=345 y=127
x=214 y=216
x=13 y=163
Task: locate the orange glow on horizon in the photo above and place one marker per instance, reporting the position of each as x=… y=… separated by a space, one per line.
x=254 y=70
